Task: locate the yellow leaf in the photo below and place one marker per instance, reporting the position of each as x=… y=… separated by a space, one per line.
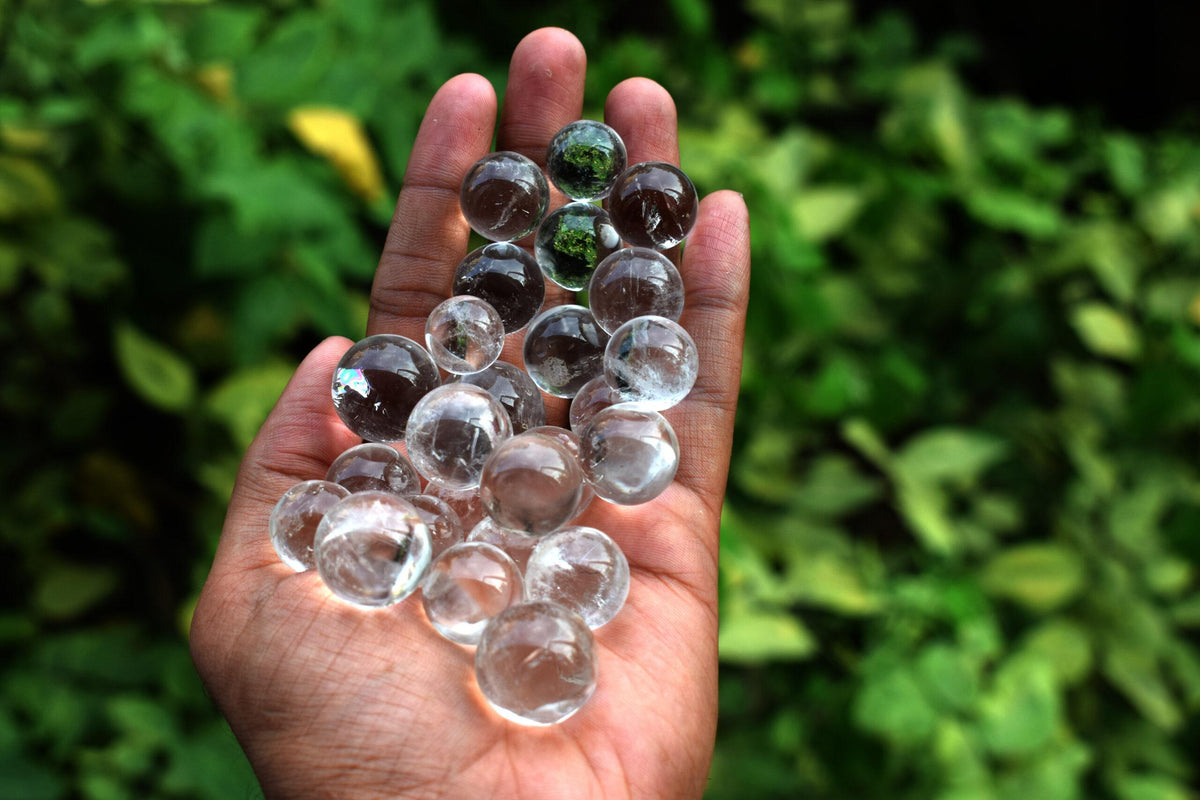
x=339 y=137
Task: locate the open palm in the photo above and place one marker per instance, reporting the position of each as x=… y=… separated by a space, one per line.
x=329 y=700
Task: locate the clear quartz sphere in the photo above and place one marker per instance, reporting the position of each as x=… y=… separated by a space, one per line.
x=504 y=196
x=629 y=455
x=572 y=241
x=584 y=159
x=377 y=383
x=582 y=569
x=536 y=663
x=445 y=528
x=295 y=518
x=464 y=334
x=653 y=204
x=595 y=396
x=651 y=361
x=371 y=467
x=372 y=549
x=564 y=349
x=517 y=545
x=507 y=277
x=634 y=282
x=515 y=390
x=466 y=586
x=452 y=431
x=465 y=503
x=570 y=440
x=531 y=483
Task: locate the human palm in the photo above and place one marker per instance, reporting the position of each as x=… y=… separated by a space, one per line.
x=329 y=700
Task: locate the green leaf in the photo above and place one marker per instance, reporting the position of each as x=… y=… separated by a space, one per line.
x=1020 y=713
x=243 y=400
x=1126 y=162
x=892 y=705
x=1151 y=787
x=25 y=189
x=67 y=590
x=949 y=453
x=948 y=676
x=925 y=508
x=1040 y=577
x=1065 y=646
x=1137 y=674
x=1106 y=331
x=155 y=372
x=1009 y=210
x=751 y=637
x=823 y=212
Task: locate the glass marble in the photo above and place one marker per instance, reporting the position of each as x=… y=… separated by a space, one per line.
x=517 y=545
x=504 y=196
x=570 y=440
x=634 y=282
x=452 y=431
x=465 y=503
x=464 y=334
x=582 y=569
x=564 y=349
x=651 y=361
x=536 y=663
x=445 y=528
x=584 y=159
x=515 y=390
x=531 y=483
x=371 y=467
x=507 y=277
x=378 y=382
x=372 y=549
x=295 y=518
x=572 y=241
x=629 y=455
x=595 y=396
x=653 y=204
x=468 y=585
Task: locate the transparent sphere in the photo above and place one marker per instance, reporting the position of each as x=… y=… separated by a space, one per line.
x=465 y=503
x=295 y=518
x=452 y=431
x=564 y=349
x=505 y=276
x=634 y=282
x=651 y=361
x=531 y=483
x=584 y=159
x=445 y=528
x=517 y=545
x=468 y=585
x=582 y=569
x=629 y=455
x=536 y=663
x=372 y=549
x=572 y=241
x=595 y=396
x=373 y=467
x=464 y=334
x=377 y=383
x=515 y=390
x=653 y=204
x=504 y=196
x=570 y=440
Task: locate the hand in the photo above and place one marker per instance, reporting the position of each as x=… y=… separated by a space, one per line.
x=329 y=700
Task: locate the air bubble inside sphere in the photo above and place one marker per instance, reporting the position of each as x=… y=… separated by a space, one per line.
x=653 y=204
x=445 y=528
x=378 y=382
x=572 y=241
x=564 y=349
x=504 y=196
x=295 y=519
x=372 y=549
x=468 y=585
x=651 y=361
x=584 y=159
x=451 y=433
x=515 y=544
x=373 y=467
x=536 y=663
x=582 y=569
x=629 y=456
x=506 y=277
x=464 y=334
x=635 y=282
x=515 y=390
x=531 y=483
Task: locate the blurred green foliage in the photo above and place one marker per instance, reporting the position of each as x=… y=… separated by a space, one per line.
x=960 y=541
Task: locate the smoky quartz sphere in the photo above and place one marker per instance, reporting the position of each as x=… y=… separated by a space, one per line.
x=572 y=241
x=451 y=433
x=466 y=586
x=584 y=159
x=378 y=382
x=294 y=520
x=582 y=569
x=629 y=456
x=372 y=549
x=464 y=334
x=504 y=196
x=515 y=390
x=651 y=361
x=653 y=204
x=634 y=282
x=564 y=349
x=531 y=483
x=505 y=276
x=374 y=467
x=536 y=663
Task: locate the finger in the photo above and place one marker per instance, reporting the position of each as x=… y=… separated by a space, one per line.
x=544 y=91
x=428 y=235
x=643 y=113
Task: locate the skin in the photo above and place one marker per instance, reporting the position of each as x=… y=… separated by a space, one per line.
x=333 y=701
